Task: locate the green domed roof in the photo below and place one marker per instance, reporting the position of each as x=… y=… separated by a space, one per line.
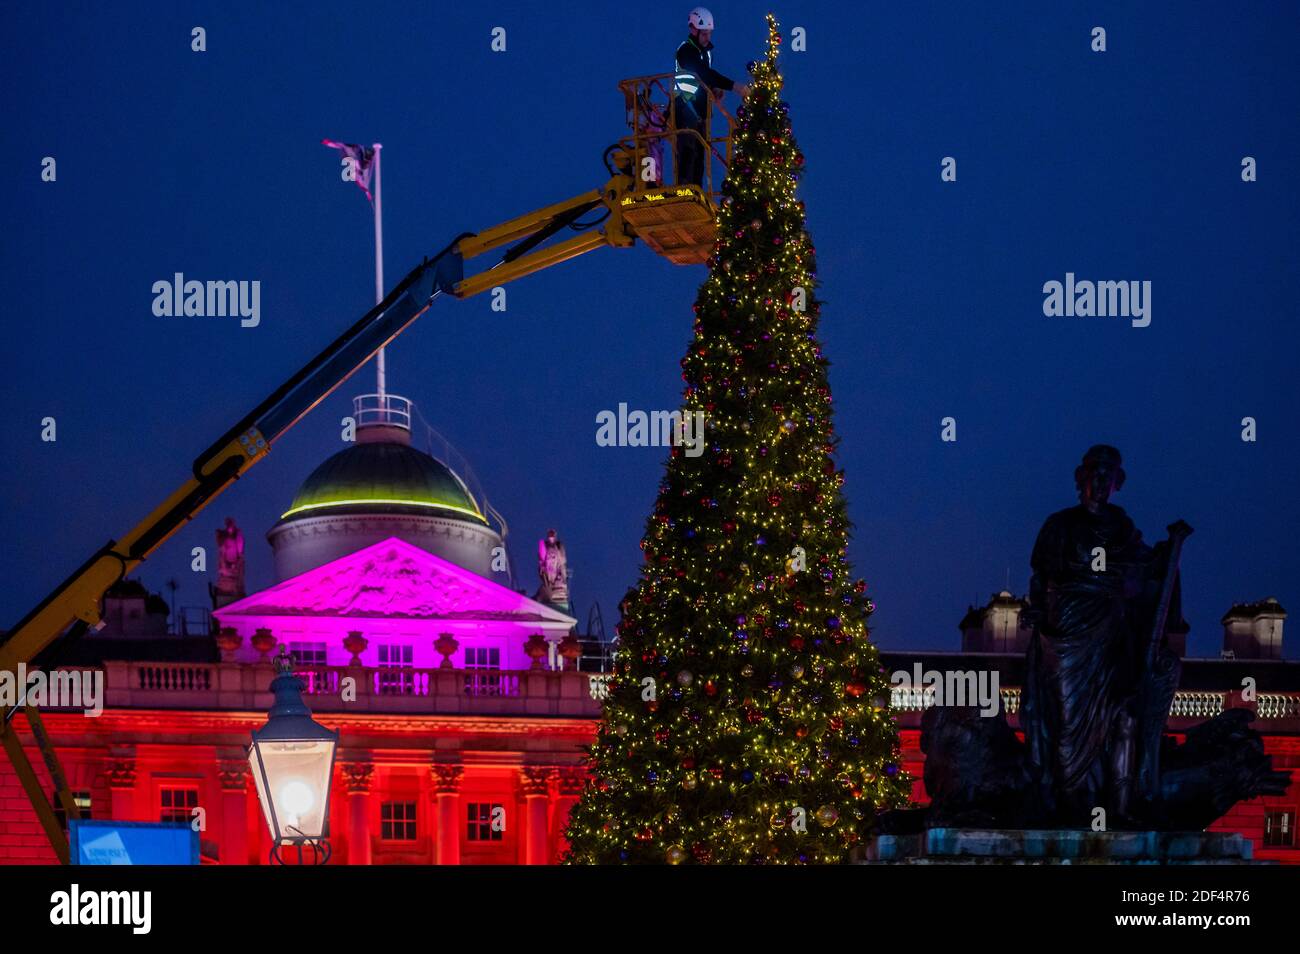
x=383 y=478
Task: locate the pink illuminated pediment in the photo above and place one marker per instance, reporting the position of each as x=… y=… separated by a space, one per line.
x=392 y=579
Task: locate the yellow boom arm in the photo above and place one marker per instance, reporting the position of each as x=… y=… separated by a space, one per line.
x=75 y=605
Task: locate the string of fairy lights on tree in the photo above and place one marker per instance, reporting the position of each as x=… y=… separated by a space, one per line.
x=747 y=719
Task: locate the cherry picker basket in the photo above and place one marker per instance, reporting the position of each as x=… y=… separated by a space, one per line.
x=676 y=219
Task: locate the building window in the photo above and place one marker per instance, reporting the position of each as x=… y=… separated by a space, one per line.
x=394 y=677
x=177 y=804
x=314 y=680
x=481 y=681
x=1279 y=829
x=397 y=821
x=485 y=821
x=79 y=798
x=308 y=654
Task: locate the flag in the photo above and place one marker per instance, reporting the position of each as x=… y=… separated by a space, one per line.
x=363 y=158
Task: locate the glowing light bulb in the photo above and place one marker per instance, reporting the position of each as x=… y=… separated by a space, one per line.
x=297 y=799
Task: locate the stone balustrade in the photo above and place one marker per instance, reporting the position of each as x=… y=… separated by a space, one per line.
x=1193 y=705
x=239 y=686
x=497 y=692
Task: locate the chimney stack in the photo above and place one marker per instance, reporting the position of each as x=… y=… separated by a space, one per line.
x=1254 y=630
x=995 y=628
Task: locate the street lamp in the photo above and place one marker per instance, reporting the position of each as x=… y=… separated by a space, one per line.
x=292 y=760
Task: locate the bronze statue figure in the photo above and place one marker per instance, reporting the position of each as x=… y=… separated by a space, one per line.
x=1100 y=679
x=1094 y=598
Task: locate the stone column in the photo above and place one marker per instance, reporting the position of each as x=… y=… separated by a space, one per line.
x=233 y=775
x=447 y=812
x=534 y=782
x=121 y=788
x=571 y=779
x=357 y=776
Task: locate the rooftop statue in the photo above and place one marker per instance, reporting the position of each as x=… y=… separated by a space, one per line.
x=553 y=569
x=230 y=567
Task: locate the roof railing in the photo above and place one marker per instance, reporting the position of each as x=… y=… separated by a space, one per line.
x=387 y=409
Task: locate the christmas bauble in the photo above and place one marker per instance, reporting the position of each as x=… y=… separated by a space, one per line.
x=675 y=855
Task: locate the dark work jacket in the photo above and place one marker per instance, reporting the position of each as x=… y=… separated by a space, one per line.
x=693 y=102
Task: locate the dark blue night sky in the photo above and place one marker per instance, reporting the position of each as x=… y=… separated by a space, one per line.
x=1120 y=165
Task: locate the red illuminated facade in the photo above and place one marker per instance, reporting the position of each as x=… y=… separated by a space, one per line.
x=491 y=782
x=424 y=762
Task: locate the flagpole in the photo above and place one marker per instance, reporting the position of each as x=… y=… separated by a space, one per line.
x=379 y=276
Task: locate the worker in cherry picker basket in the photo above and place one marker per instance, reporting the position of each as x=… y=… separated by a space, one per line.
x=695 y=83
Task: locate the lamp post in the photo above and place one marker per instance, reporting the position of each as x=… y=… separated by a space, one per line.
x=292 y=761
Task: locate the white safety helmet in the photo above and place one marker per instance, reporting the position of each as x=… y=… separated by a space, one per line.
x=700 y=19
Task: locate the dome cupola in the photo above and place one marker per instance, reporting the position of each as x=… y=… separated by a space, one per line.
x=377 y=488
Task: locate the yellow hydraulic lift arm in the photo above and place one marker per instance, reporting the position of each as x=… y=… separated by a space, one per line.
x=77 y=600
x=676 y=221
x=530 y=230
x=74 y=606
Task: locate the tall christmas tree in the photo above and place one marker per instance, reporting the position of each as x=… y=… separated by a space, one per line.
x=747 y=718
